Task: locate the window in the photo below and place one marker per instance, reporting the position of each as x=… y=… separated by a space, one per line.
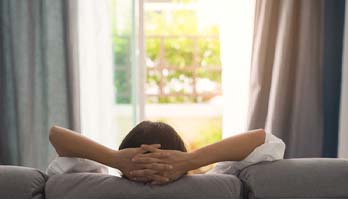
x=183 y=59
x=182 y=62
x=183 y=79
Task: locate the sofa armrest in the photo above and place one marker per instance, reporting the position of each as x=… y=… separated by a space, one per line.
x=297 y=178
x=21 y=182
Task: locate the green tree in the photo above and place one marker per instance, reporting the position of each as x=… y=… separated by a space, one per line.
x=181 y=50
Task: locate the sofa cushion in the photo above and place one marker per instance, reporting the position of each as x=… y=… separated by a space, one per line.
x=21 y=183
x=297 y=178
x=101 y=186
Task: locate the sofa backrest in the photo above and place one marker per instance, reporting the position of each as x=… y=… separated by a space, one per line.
x=297 y=178
x=100 y=186
x=21 y=183
x=292 y=178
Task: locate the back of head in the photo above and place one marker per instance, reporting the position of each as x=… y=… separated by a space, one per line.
x=148 y=132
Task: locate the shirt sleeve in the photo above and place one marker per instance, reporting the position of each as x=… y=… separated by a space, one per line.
x=62 y=165
x=273 y=149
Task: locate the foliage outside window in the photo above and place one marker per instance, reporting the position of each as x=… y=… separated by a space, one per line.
x=182 y=66
x=182 y=59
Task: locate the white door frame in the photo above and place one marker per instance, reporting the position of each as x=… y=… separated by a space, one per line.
x=138 y=62
x=142 y=67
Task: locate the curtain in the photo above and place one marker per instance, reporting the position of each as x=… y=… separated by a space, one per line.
x=331 y=74
x=288 y=89
x=38 y=77
x=96 y=72
x=235 y=61
x=343 y=125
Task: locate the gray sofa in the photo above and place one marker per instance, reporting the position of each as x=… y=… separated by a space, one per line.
x=291 y=178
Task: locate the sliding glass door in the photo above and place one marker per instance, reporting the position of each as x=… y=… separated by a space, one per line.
x=126 y=61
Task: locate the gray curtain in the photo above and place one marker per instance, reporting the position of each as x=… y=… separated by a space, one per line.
x=286 y=91
x=343 y=125
x=38 y=77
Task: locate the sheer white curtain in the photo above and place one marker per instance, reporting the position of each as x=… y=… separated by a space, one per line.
x=96 y=71
x=343 y=131
x=236 y=33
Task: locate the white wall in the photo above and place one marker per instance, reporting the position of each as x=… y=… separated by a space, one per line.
x=343 y=130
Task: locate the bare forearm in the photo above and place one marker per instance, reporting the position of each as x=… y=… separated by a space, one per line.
x=72 y=144
x=234 y=148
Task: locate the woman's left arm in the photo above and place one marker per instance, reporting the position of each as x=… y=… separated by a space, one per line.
x=234 y=148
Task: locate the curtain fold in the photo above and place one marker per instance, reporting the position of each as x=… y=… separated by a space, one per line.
x=71 y=20
x=289 y=80
x=35 y=78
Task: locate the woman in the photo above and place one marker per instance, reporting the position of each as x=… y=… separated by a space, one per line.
x=154 y=152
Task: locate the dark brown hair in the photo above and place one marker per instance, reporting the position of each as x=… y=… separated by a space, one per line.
x=148 y=132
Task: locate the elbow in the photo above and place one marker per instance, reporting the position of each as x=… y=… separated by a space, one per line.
x=261 y=135
x=54 y=139
x=53 y=133
x=261 y=131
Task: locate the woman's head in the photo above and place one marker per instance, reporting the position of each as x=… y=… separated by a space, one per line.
x=148 y=132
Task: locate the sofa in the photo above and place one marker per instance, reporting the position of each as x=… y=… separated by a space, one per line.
x=290 y=178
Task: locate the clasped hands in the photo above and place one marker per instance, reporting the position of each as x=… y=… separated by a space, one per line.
x=150 y=164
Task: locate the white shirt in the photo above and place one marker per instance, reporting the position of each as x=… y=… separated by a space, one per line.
x=62 y=165
x=273 y=149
